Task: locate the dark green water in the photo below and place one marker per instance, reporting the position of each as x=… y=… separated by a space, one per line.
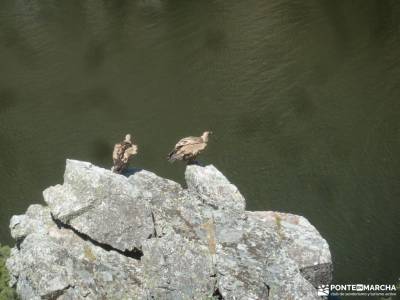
x=303 y=98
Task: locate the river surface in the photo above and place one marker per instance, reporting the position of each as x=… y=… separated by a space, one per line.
x=303 y=98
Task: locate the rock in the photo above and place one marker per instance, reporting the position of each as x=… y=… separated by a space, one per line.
x=177 y=268
x=303 y=244
x=101 y=205
x=259 y=263
x=36 y=219
x=213 y=188
x=56 y=263
x=107 y=236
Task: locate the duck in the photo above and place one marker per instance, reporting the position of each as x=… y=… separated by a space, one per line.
x=122 y=153
x=188 y=148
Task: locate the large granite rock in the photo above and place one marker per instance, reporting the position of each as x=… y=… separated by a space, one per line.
x=108 y=236
x=101 y=205
x=52 y=262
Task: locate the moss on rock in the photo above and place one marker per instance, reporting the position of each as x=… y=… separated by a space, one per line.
x=6 y=293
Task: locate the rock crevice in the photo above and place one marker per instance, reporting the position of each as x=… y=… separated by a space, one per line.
x=135 y=253
x=104 y=235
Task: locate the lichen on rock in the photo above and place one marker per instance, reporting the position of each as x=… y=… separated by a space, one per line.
x=105 y=235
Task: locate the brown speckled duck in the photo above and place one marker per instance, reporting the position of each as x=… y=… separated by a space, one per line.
x=122 y=153
x=189 y=148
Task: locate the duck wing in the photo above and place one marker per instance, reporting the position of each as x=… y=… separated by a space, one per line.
x=118 y=152
x=191 y=140
x=132 y=150
x=186 y=148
